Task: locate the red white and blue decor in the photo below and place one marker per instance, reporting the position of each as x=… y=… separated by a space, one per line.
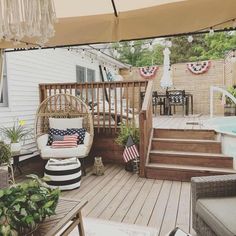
x=148 y=72
x=199 y=67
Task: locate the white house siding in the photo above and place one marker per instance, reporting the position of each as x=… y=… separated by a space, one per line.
x=26 y=70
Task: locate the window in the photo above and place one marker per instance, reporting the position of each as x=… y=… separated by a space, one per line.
x=84 y=75
x=3 y=82
x=90 y=79
x=80 y=74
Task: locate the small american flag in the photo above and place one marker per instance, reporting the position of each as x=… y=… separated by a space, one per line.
x=130 y=152
x=65 y=141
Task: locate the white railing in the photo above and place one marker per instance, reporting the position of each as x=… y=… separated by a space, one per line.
x=224 y=93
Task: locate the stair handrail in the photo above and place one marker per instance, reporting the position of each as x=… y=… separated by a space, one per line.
x=224 y=93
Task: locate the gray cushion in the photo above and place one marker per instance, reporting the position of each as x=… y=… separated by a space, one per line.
x=219 y=214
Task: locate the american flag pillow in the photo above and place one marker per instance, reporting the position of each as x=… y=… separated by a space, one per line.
x=67 y=141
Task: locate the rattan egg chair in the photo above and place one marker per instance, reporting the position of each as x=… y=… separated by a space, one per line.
x=64 y=108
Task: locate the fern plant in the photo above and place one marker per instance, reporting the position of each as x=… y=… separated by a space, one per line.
x=125 y=131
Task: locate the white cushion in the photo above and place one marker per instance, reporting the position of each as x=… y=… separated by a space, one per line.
x=42 y=141
x=49 y=152
x=65 y=123
x=87 y=139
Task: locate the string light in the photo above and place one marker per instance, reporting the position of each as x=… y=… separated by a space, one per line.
x=190 y=38
x=83 y=53
x=115 y=52
x=211 y=32
x=233 y=58
x=150 y=47
x=132 y=49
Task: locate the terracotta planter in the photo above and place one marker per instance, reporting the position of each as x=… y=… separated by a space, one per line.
x=230 y=110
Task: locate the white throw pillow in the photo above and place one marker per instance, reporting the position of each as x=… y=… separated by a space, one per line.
x=65 y=123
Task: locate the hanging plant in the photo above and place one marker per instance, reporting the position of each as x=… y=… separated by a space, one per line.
x=148 y=72
x=199 y=67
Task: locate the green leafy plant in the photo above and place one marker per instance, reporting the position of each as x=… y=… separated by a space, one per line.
x=5 y=154
x=24 y=206
x=125 y=131
x=15 y=133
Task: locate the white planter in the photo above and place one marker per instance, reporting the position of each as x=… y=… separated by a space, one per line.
x=15 y=147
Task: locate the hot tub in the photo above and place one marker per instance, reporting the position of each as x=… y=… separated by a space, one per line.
x=226 y=129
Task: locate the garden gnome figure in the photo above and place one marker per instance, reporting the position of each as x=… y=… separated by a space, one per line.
x=98 y=168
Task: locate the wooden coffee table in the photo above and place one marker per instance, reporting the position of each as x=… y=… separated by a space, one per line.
x=67 y=211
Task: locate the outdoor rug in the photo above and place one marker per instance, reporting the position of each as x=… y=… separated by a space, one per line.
x=97 y=227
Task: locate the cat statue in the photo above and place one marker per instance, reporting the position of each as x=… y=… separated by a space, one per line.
x=98 y=167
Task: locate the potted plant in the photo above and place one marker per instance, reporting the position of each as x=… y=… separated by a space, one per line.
x=15 y=134
x=230 y=106
x=24 y=206
x=127 y=130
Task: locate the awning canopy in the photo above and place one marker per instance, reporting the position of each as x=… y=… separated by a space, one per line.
x=95 y=21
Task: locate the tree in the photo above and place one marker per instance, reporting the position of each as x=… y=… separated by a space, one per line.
x=203 y=47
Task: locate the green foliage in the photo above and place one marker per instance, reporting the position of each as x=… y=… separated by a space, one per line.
x=15 y=133
x=24 y=206
x=203 y=47
x=5 y=154
x=126 y=131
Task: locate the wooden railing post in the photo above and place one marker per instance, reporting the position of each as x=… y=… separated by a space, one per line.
x=145 y=127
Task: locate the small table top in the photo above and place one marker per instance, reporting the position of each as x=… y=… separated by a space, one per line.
x=67 y=210
x=22 y=152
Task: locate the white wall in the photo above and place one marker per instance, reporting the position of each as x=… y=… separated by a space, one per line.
x=25 y=70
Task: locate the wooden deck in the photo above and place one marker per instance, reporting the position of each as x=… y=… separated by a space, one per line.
x=124 y=197
x=180 y=122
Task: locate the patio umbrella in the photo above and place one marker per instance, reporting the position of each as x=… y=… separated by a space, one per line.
x=88 y=21
x=166 y=80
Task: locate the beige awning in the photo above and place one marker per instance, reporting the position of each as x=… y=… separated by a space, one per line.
x=94 y=21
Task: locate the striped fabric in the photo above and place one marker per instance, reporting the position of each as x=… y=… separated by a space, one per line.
x=66 y=141
x=65 y=174
x=130 y=152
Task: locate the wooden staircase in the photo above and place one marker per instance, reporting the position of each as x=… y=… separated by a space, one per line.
x=177 y=154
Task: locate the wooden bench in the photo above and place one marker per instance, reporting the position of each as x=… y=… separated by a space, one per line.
x=68 y=212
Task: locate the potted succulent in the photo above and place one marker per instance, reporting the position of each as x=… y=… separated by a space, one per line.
x=230 y=106
x=15 y=134
x=24 y=206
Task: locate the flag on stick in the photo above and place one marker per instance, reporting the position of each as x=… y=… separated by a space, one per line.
x=130 y=152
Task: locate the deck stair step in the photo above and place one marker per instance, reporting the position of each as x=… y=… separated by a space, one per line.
x=182 y=173
x=187 y=145
x=204 y=134
x=190 y=158
x=179 y=154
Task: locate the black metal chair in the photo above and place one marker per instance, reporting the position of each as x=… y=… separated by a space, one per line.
x=176 y=98
x=158 y=101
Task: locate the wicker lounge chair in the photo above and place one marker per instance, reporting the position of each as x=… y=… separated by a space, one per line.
x=214 y=205
x=64 y=110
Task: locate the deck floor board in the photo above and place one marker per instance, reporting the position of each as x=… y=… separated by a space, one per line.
x=124 y=197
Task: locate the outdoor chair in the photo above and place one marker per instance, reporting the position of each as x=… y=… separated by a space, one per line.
x=63 y=112
x=157 y=101
x=176 y=98
x=214 y=205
